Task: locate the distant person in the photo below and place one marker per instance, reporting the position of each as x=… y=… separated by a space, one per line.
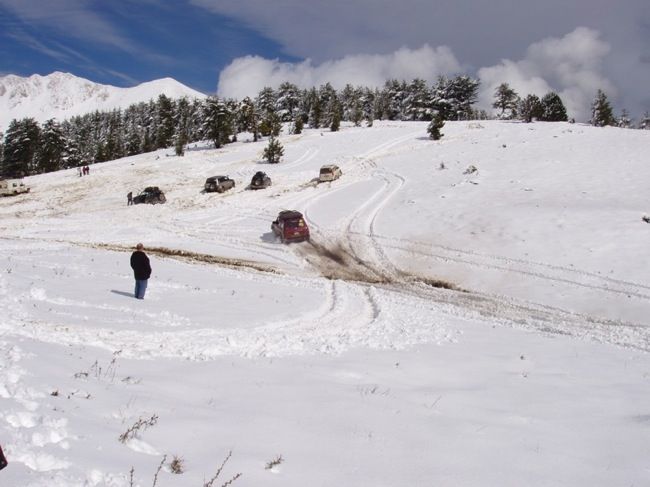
x=3 y=460
x=141 y=270
x=80 y=172
x=129 y=198
x=87 y=170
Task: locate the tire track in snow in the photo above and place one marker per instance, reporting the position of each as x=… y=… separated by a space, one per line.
x=564 y=275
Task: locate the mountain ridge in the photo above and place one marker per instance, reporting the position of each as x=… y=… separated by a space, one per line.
x=63 y=95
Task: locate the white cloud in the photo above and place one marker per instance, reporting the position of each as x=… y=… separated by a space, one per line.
x=570 y=66
x=75 y=18
x=246 y=76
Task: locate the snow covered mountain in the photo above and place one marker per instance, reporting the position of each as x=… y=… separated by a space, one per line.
x=62 y=95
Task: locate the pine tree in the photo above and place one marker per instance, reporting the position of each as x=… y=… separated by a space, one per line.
x=21 y=144
x=601 y=111
x=644 y=123
x=217 y=122
x=334 y=113
x=624 y=121
x=181 y=126
x=315 y=109
x=418 y=103
x=554 y=110
x=434 y=127
x=164 y=122
x=247 y=118
x=273 y=151
x=52 y=147
x=356 y=114
x=336 y=122
x=270 y=124
x=179 y=145
x=506 y=99
x=368 y=105
x=327 y=98
x=298 y=125
x=453 y=98
x=348 y=97
x=394 y=94
x=288 y=102
x=531 y=108
x=72 y=156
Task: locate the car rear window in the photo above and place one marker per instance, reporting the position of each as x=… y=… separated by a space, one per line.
x=294 y=223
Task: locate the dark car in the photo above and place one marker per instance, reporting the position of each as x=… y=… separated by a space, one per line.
x=218 y=184
x=260 y=180
x=290 y=226
x=151 y=195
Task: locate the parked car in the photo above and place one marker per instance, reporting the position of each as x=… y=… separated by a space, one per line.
x=12 y=187
x=218 y=184
x=330 y=172
x=260 y=180
x=151 y=195
x=290 y=226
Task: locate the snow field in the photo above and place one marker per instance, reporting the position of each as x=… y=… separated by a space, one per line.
x=534 y=371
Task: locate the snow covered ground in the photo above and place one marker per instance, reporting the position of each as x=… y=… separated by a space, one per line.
x=342 y=356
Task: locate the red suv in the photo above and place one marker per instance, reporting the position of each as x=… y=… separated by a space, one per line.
x=290 y=226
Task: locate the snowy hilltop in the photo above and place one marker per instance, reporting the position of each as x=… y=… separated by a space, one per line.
x=468 y=312
x=63 y=95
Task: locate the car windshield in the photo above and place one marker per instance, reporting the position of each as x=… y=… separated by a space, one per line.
x=326 y=170
x=297 y=223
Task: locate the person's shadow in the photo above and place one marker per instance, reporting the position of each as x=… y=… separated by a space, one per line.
x=122 y=293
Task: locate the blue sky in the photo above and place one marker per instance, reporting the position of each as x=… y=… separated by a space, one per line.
x=235 y=47
x=127 y=42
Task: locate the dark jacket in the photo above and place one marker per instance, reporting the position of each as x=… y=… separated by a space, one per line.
x=140 y=265
x=3 y=460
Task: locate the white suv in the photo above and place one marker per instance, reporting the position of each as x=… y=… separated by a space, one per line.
x=329 y=172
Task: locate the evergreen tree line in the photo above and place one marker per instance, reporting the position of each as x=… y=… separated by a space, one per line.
x=551 y=109
x=30 y=148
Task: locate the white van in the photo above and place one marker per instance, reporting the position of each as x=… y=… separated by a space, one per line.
x=12 y=187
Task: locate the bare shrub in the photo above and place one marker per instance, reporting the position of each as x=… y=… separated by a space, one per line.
x=210 y=483
x=140 y=424
x=160 y=466
x=177 y=465
x=274 y=463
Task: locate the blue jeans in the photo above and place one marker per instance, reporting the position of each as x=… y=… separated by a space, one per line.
x=140 y=288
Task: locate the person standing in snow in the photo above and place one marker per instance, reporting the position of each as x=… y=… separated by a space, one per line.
x=3 y=460
x=129 y=198
x=141 y=270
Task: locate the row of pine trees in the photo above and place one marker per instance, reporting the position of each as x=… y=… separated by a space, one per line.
x=30 y=148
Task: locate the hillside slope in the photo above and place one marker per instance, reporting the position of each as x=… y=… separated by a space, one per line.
x=468 y=312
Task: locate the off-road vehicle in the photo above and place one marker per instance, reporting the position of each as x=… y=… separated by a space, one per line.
x=330 y=172
x=12 y=187
x=218 y=184
x=260 y=180
x=151 y=195
x=290 y=226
